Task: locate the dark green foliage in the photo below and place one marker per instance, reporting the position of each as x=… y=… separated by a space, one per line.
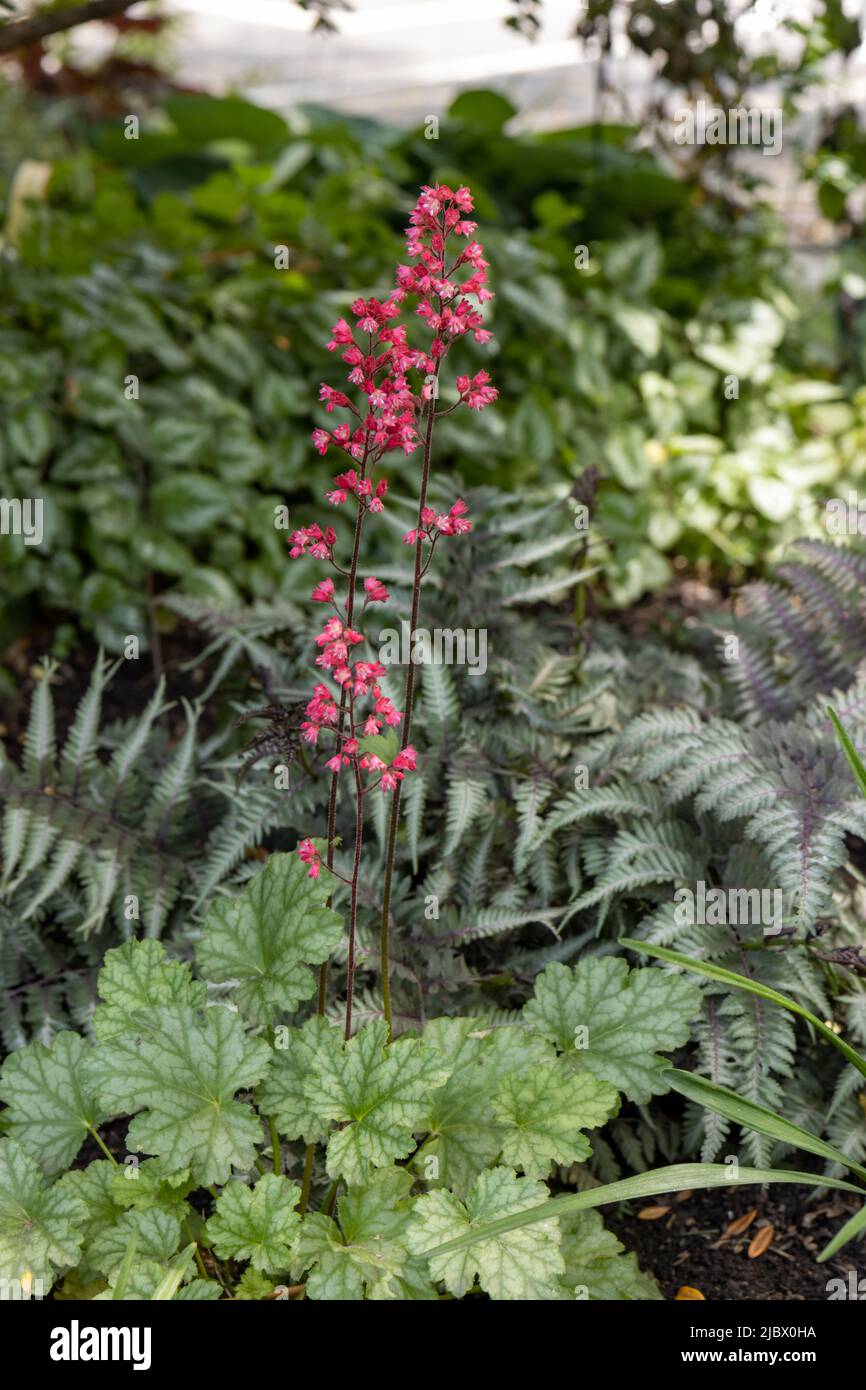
x=160 y=374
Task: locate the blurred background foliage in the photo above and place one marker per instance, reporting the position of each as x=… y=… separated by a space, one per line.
x=655 y=341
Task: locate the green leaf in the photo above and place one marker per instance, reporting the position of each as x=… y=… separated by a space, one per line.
x=729 y=977
x=257 y=1223
x=364 y=1253
x=281 y=1094
x=139 y=975
x=377 y=1093
x=121 y=1282
x=187 y=502
x=152 y=1280
x=545 y=1109
x=773 y=498
x=464 y=1137
x=52 y=1099
x=754 y=1116
x=157 y=1234
x=678 y=1177
x=852 y=1228
x=511 y=1264
x=610 y=1021
x=31 y=434
x=40 y=1223
x=486 y=110
x=596 y=1267
x=182 y=1071
x=850 y=751
x=268 y=936
x=252 y=1286
x=145 y=1185
x=92 y=1186
x=169 y=1286
x=201 y=119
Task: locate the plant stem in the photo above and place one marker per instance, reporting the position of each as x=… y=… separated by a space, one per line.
x=332 y=817
x=307 y=1180
x=104 y=1147
x=384 y=930
x=191 y=1240
x=353 y=906
x=332 y=1197
x=276 y=1147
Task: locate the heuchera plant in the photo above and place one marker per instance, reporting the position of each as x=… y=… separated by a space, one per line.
x=393 y=410
x=435 y=1147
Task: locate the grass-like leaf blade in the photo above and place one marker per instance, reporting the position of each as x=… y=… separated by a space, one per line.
x=758 y=1117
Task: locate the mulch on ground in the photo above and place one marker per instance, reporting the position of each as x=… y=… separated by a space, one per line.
x=691 y=1243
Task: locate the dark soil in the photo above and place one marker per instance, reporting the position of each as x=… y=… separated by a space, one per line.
x=685 y=1246
x=126 y=695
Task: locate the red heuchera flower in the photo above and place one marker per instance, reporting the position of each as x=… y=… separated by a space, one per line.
x=393 y=382
x=309 y=855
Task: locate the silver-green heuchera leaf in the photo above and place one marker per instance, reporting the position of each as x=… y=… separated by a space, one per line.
x=610 y=1021
x=281 y=1094
x=463 y=1135
x=179 y=1073
x=157 y=1235
x=377 y=1093
x=139 y=975
x=40 y=1222
x=364 y=1252
x=544 y=1110
x=52 y=1099
x=267 y=937
x=521 y=1264
x=258 y=1223
x=596 y=1267
x=92 y=1187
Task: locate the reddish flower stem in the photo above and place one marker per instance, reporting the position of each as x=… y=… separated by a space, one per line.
x=309 y=1156
x=335 y=776
x=408 y=700
x=353 y=903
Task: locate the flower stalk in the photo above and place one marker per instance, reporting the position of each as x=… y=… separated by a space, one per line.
x=384 y=419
